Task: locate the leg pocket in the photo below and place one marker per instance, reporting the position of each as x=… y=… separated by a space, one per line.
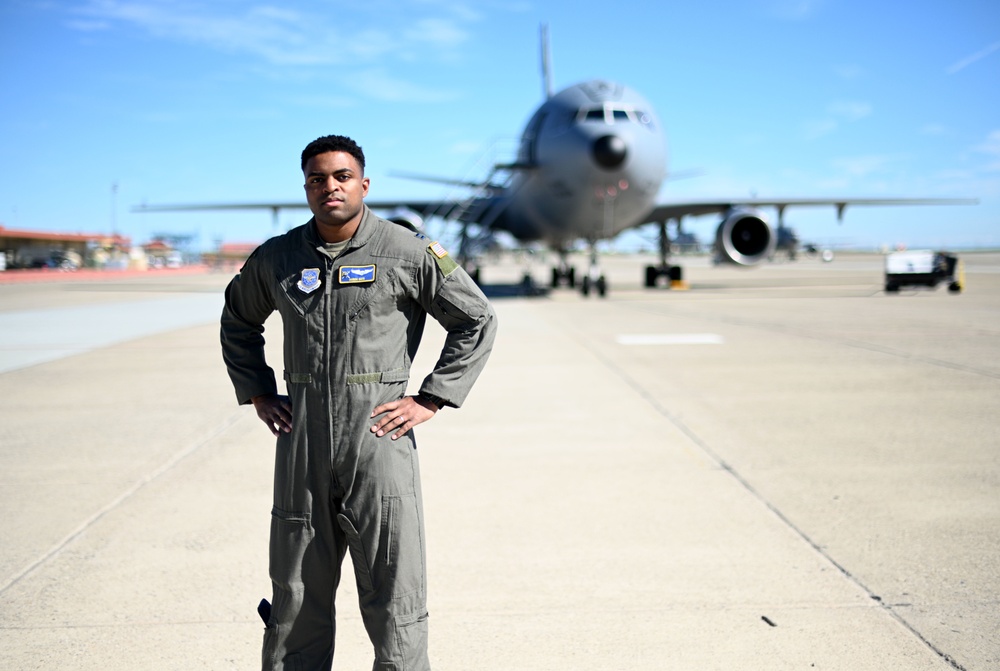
x=401 y=546
x=291 y=534
x=388 y=557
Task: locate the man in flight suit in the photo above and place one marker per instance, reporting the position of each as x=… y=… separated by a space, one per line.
x=353 y=291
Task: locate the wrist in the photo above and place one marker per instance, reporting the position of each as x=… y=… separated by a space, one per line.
x=435 y=401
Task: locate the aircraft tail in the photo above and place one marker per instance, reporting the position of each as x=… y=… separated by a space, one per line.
x=546 y=62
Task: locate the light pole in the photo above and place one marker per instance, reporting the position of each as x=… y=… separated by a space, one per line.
x=114 y=208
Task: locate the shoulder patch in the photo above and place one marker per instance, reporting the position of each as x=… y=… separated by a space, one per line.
x=419 y=236
x=444 y=261
x=438 y=250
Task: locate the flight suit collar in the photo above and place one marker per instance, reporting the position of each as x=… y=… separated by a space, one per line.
x=366 y=229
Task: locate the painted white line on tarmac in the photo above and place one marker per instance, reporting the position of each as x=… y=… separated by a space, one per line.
x=671 y=339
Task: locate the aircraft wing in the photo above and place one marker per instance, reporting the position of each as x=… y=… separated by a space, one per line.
x=669 y=211
x=426 y=208
x=422 y=206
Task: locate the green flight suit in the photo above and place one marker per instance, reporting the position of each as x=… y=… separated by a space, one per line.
x=351 y=329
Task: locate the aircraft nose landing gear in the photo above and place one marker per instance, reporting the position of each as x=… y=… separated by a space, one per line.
x=564 y=273
x=594 y=279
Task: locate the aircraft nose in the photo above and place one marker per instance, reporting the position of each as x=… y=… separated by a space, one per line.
x=609 y=151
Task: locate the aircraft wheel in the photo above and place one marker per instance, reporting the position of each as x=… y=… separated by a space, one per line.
x=954 y=287
x=585 y=286
x=602 y=286
x=651 y=276
x=572 y=277
x=891 y=288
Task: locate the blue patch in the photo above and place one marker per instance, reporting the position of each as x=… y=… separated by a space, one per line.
x=310 y=280
x=357 y=274
x=420 y=236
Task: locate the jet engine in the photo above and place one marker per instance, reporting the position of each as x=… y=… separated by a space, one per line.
x=407 y=218
x=745 y=238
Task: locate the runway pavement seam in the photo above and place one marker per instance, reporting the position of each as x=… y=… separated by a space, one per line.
x=723 y=465
x=142 y=482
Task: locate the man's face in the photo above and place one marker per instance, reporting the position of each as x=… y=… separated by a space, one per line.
x=335 y=190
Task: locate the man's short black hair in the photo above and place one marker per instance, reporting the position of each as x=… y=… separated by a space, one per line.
x=333 y=143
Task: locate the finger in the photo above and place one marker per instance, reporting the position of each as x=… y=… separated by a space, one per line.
x=280 y=422
x=385 y=407
x=403 y=429
x=387 y=419
x=383 y=427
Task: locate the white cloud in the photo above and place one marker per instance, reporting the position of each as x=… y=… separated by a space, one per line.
x=324 y=102
x=85 y=26
x=817 y=128
x=991 y=148
x=838 y=113
x=867 y=165
x=436 y=32
x=969 y=60
x=848 y=72
x=934 y=129
x=361 y=47
x=276 y=35
x=794 y=10
x=281 y=36
x=850 y=110
x=378 y=84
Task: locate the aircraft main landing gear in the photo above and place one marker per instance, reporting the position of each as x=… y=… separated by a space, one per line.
x=600 y=285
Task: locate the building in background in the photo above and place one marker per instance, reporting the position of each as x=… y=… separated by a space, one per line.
x=66 y=251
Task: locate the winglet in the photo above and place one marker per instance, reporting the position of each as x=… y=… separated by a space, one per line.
x=546 y=62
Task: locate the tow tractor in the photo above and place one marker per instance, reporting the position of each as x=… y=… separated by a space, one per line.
x=924 y=268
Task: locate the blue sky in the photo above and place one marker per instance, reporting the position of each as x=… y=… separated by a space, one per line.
x=180 y=101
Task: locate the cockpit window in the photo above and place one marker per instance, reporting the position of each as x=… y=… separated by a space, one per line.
x=612 y=114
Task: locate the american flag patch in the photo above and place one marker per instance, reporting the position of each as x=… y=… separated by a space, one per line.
x=438 y=250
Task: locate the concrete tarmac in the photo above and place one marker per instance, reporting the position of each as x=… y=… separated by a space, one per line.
x=781 y=468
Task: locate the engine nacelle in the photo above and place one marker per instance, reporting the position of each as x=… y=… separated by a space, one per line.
x=407 y=218
x=745 y=238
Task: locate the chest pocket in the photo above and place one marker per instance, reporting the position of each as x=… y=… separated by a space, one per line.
x=377 y=323
x=302 y=292
x=372 y=299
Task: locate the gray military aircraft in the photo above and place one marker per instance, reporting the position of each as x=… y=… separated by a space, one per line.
x=590 y=164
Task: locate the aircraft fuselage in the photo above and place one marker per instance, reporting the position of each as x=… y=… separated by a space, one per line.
x=591 y=159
